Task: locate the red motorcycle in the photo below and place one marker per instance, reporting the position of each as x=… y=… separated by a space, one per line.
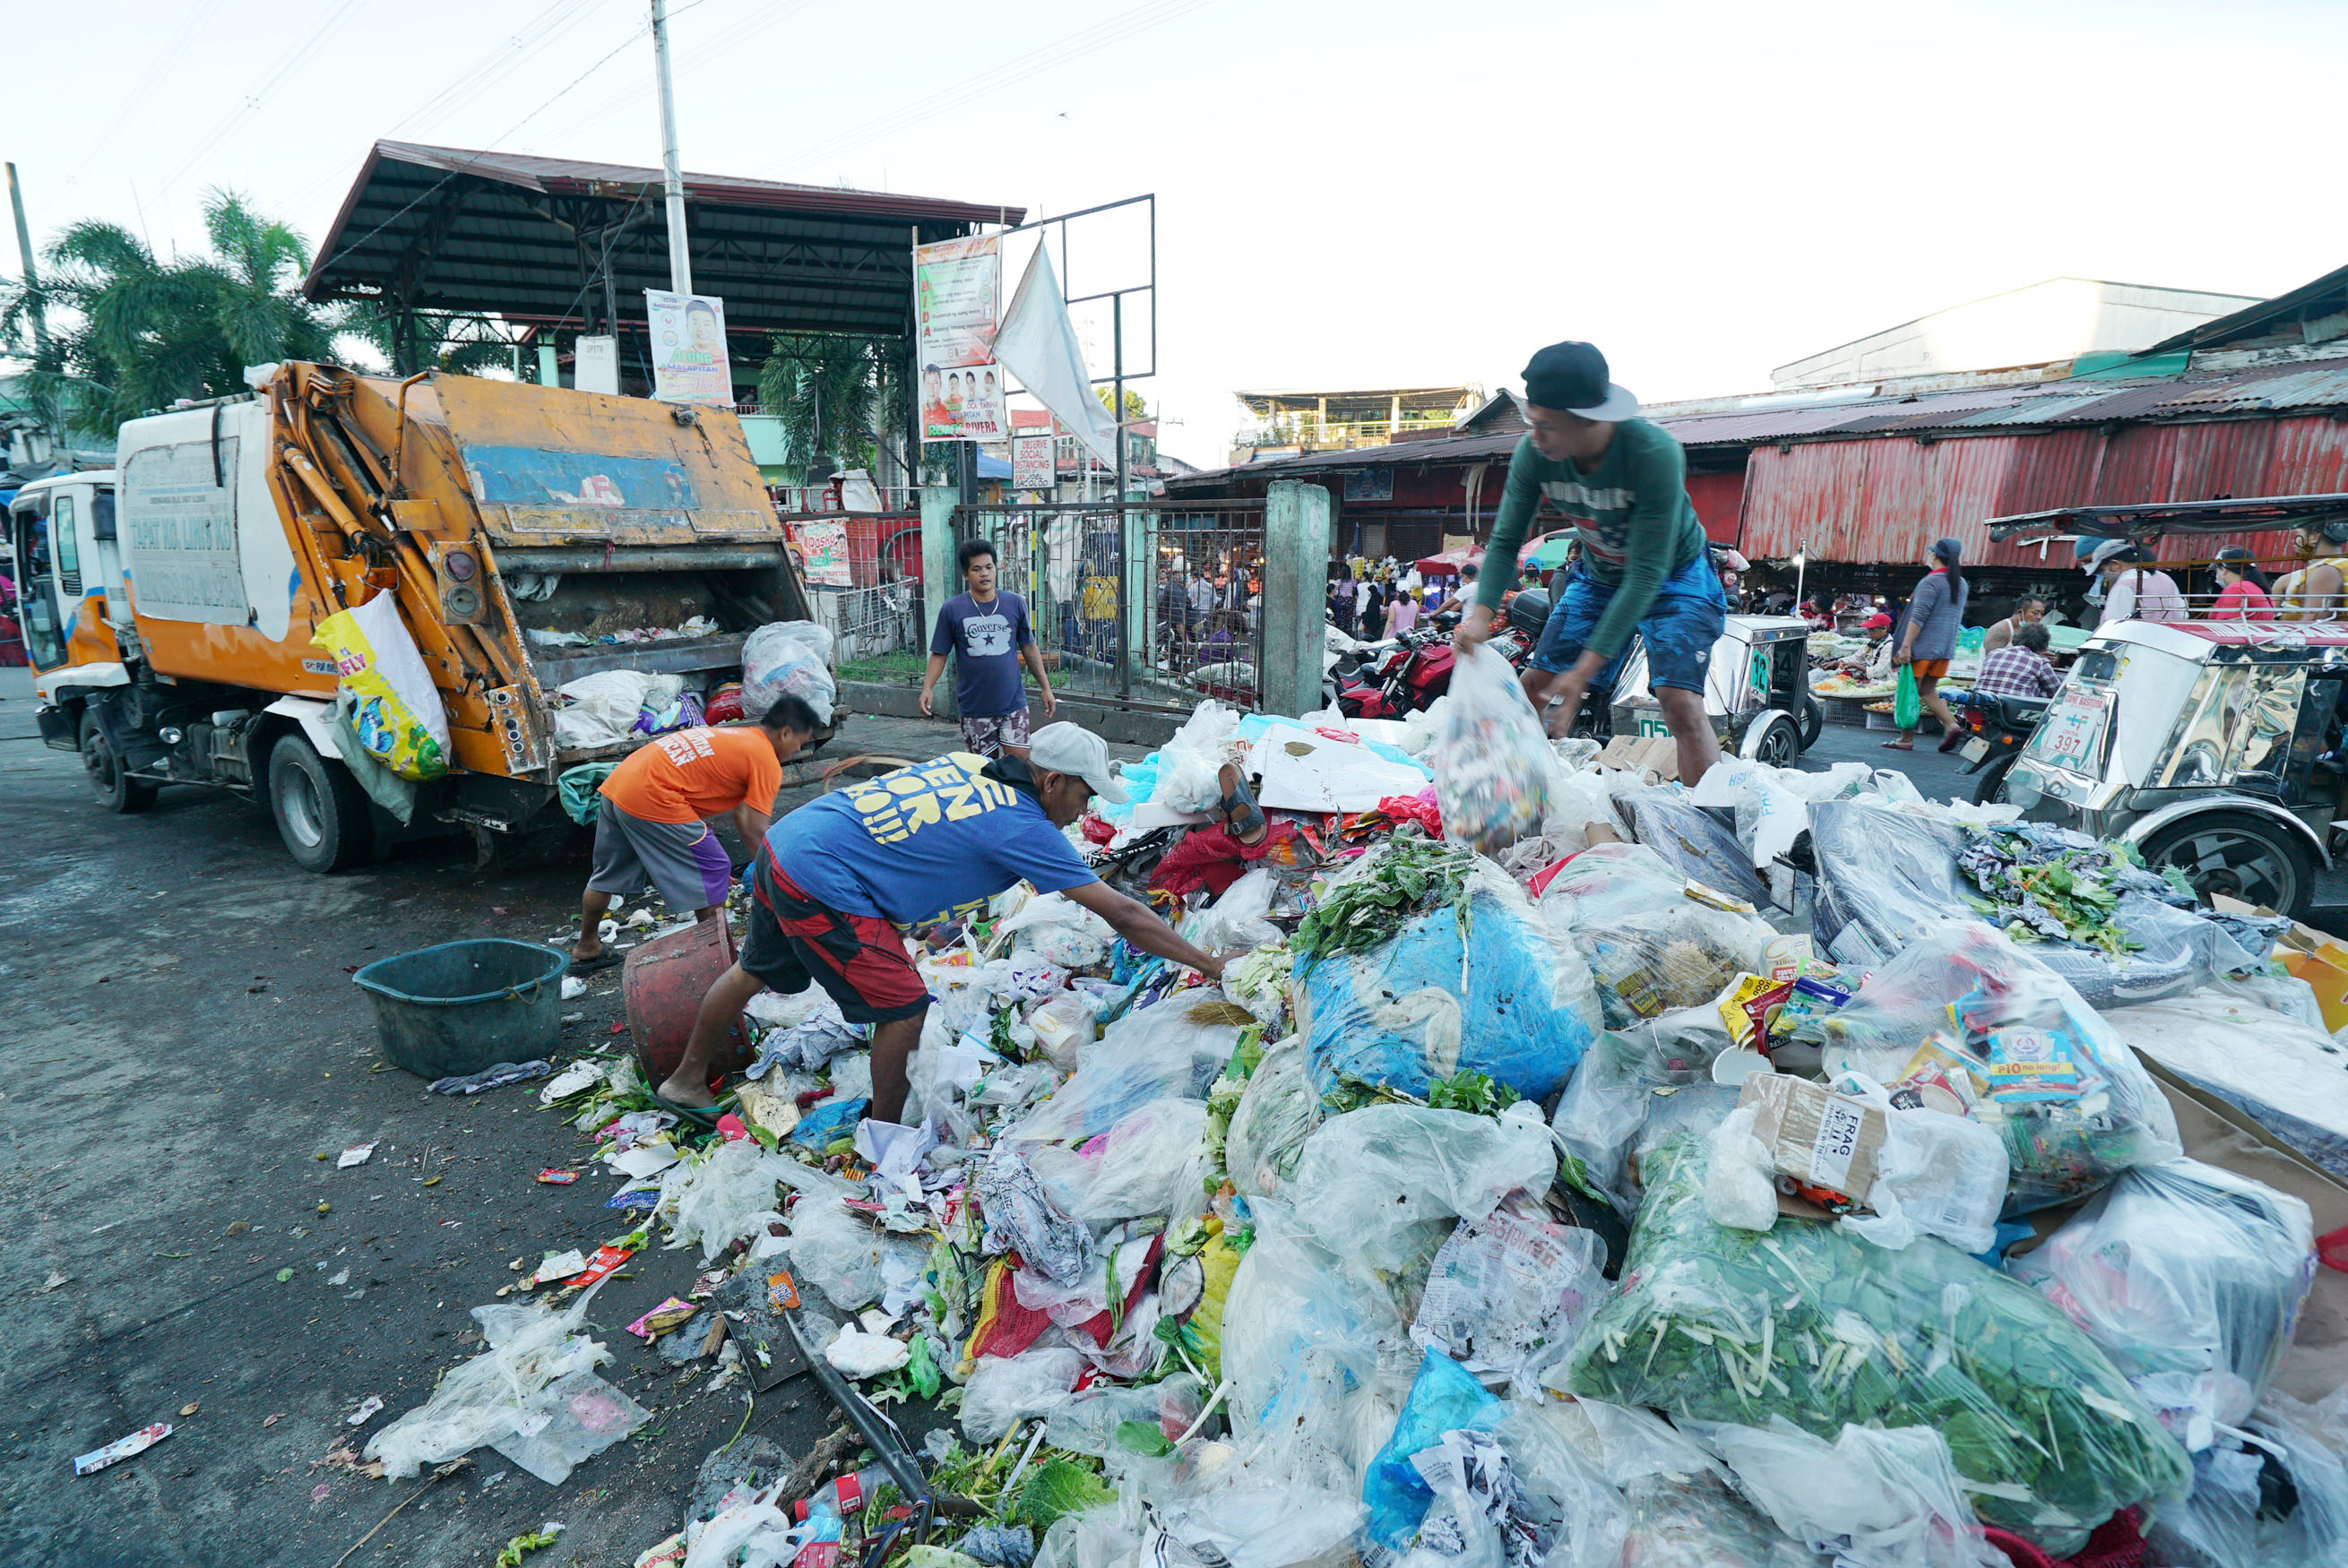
x=1407 y=677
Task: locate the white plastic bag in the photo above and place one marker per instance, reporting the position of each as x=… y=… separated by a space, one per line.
x=1140 y=1166
x=717 y=1199
x=787 y=659
x=603 y=708
x=1936 y=1174
x=1740 y=1185
x=1491 y=761
x=1189 y=764
x=1889 y=1499
x=850 y=1262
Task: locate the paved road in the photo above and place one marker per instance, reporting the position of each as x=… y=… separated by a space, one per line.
x=184 y=1040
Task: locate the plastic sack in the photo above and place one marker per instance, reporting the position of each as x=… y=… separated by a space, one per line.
x=1509 y=998
x=1491 y=761
x=1158 y=1052
x=398 y=714
x=1006 y=1389
x=1190 y=762
x=601 y=708
x=2286 y=1074
x=1505 y=1295
x=1695 y=1522
x=1889 y=1499
x=1140 y=1166
x=1694 y=842
x=2029 y=1059
x=580 y=791
x=2191 y=1279
x=787 y=659
x=1443 y=1398
x=1380 y=1187
x=1907 y=704
x=1277 y=1112
x=850 y=1262
x=1299 y=1328
x=2311 y=1442
x=1828 y=1330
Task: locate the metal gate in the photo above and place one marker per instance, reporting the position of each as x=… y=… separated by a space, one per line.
x=1137 y=605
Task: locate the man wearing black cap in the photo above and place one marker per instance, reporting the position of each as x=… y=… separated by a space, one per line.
x=1624 y=484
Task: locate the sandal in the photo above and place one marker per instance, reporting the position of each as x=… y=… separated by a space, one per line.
x=605 y=959
x=1242 y=816
x=1897 y=746
x=702 y=1116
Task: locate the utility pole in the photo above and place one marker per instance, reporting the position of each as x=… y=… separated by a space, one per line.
x=31 y=278
x=680 y=263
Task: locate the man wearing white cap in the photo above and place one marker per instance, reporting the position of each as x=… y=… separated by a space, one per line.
x=1623 y=483
x=2132 y=590
x=839 y=881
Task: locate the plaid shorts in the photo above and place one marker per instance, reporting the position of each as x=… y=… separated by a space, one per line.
x=988 y=736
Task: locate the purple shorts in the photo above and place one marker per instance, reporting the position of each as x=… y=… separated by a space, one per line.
x=684 y=860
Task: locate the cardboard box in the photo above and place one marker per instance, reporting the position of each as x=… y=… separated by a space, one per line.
x=1819 y=1138
x=1658 y=754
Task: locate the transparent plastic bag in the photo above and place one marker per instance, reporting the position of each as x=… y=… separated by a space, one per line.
x=1491 y=760
x=1140 y=1166
x=1299 y=1329
x=1695 y=1522
x=717 y=1199
x=490 y=1397
x=1829 y=1330
x=1607 y=884
x=1505 y=1295
x=1059 y=931
x=1889 y=1499
x=1605 y=1103
x=1694 y=842
x=1936 y=1174
x=2311 y=1443
x=1238 y=921
x=853 y=1263
x=1158 y=1052
x=1680 y=954
x=2191 y=1279
x=1087 y=1423
x=2013 y=1041
x=1004 y=1389
x=1276 y=1113
x=1381 y=1185
x=1443 y=1398
x=787 y=659
x=570 y=1421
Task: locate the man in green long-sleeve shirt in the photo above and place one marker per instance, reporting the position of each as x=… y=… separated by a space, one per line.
x=1623 y=483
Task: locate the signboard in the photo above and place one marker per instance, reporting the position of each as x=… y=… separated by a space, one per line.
x=595 y=363
x=179 y=533
x=958 y=295
x=2071 y=734
x=1031 y=463
x=689 y=362
x=824 y=549
x=1370 y=484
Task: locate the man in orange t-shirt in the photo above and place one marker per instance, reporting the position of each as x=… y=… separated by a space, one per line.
x=651 y=824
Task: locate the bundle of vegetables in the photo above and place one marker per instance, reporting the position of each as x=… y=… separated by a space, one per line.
x=1823 y=1328
x=1368 y=903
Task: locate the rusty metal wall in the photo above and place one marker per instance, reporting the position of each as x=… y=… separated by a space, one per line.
x=1884 y=500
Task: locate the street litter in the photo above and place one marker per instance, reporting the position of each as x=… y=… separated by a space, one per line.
x=496 y=1077
x=1568 y=1171
x=366 y=1406
x=556 y=1178
x=358 y=1154
x=121 y=1449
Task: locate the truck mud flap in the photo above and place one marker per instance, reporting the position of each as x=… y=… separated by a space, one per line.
x=59 y=728
x=497 y=804
x=138 y=749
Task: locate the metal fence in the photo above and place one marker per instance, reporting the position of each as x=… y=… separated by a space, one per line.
x=875 y=617
x=1135 y=606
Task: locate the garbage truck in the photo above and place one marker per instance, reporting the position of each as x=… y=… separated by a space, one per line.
x=526 y=535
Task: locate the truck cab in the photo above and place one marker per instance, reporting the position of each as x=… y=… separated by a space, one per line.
x=67 y=567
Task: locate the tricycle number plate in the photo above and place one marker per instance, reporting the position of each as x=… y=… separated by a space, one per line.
x=1976 y=749
x=2073 y=726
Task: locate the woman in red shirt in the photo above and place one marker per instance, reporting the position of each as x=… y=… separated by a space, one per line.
x=2244 y=596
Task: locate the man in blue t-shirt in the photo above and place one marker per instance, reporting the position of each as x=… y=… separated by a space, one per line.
x=839 y=880
x=988 y=635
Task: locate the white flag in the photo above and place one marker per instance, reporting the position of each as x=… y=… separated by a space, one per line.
x=1037 y=345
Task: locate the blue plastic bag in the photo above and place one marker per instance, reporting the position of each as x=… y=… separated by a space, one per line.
x=827 y=1120
x=1515 y=1001
x=1444 y=1397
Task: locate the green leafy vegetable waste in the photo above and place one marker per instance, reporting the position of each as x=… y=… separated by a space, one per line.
x=1056 y=1487
x=1809 y=1322
x=1369 y=903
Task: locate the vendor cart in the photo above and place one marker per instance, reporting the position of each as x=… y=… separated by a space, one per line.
x=1757 y=691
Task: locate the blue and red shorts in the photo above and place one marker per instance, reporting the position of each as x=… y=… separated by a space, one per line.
x=860 y=960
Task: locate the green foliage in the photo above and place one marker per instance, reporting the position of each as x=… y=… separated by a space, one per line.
x=1368 y=906
x=828 y=391
x=1469 y=1089
x=129 y=333
x=1055 y=1487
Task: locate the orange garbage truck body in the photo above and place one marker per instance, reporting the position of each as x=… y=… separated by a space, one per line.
x=500 y=539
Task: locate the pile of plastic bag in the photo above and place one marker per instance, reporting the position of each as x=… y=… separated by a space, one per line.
x=1591 y=1173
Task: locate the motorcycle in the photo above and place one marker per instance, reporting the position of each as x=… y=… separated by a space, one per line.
x=2000 y=727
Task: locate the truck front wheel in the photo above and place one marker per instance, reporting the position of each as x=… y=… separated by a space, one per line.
x=321 y=812
x=109 y=779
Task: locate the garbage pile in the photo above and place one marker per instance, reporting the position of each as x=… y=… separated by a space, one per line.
x=1568 y=1170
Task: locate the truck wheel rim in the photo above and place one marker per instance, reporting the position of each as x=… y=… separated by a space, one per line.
x=303 y=817
x=2235 y=864
x=97 y=760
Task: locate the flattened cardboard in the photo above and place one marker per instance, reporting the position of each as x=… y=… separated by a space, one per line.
x=1817 y=1137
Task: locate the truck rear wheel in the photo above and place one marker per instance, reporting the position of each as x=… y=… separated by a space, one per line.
x=109 y=780
x=321 y=812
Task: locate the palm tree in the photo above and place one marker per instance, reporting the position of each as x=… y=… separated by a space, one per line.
x=828 y=389
x=143 y=333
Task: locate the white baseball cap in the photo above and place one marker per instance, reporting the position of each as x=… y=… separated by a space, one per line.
x=1065 y=748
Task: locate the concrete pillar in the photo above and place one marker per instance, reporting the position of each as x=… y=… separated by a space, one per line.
x=550 y=369
x=1139 y=605
x=1296 y=584
x=940 y=579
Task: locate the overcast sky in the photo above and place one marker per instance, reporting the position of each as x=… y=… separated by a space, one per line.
x=1357 y=194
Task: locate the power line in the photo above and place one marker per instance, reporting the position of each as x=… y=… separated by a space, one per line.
x=166 y=59
x=294 y=57
x=1075 y=47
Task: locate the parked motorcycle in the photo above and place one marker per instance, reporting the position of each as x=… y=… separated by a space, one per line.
x=2000 y=727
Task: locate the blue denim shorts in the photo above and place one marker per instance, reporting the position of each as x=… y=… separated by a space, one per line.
x=1688 y=616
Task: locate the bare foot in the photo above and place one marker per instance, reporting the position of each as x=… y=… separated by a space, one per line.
x=678 y=1092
